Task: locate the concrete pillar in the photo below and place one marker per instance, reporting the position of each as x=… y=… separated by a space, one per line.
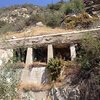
x=72 y=51
x=50 y=52
x=29 y=56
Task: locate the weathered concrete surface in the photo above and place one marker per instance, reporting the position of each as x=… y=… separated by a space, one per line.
x=50 y=51
x=72 y=51
x=44 y=40
x=29 y=56
x=25 y=75
x=37 y=75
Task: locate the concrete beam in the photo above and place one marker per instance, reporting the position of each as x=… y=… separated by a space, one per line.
x=44 y=40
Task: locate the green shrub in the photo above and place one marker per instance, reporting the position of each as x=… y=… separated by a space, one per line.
x=33 y=19
x=9 y=80
x=75 y=6
x=53 y=19
x=2 y=23
x=56 y=6
x=78 y=6
x=6 y=28
x=89 y=53
x=54 y=67
x=67 y=8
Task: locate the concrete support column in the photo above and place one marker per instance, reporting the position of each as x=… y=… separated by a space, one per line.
x=25 y=76
x=29 y=56
x=72 y=51
x=50 y=52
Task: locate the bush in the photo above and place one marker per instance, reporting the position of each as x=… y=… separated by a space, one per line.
x=2 y=23
x=54 y=67
x=53 y=19
x=56 y=6
x=6 y=28
x=33 y=19
x=75 y=6
x=8 y=82
x=67 y=8
x=89 y=53
x=83 y=20
x=78 y=6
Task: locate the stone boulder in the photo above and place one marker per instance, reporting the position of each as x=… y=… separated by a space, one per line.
x=40 y=24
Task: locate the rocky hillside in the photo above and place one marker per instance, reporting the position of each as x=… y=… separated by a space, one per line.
x=92 y=6
x=70 y=15
x=14 y=13
x=14 y=18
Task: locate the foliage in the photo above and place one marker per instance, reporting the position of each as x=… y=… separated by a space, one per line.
x=67 y=8
x=56 y=6
x=75 y=6
x=8 y=82
x=6 y=28
x=2 y=23
x=78 y=6
x=83 y=20
x=89 y=53
x=33 y=19
x=52 y=16
x=53 y=19
x=54 y=67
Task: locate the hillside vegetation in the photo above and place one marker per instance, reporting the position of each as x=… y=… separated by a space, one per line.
x=67 y=15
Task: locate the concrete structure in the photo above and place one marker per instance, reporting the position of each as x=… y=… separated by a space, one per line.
x=25 y=75
x=50 y=52
x=73 y=51
x=29 y=56
x=50 y=42
x=38 y=75
x=35 y=74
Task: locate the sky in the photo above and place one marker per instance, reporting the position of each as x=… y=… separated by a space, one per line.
x=6 y=3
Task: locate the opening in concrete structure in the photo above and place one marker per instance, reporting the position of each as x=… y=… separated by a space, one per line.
x=40 y=54
x=20 y=54
x=62 y=53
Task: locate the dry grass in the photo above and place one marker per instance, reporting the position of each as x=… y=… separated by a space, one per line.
x=19 y=65
x=70 y=68
x=26 y=86
x=34 y=31
x=34 y=64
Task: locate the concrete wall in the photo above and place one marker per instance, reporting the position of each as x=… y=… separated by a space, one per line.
x=37 y=75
